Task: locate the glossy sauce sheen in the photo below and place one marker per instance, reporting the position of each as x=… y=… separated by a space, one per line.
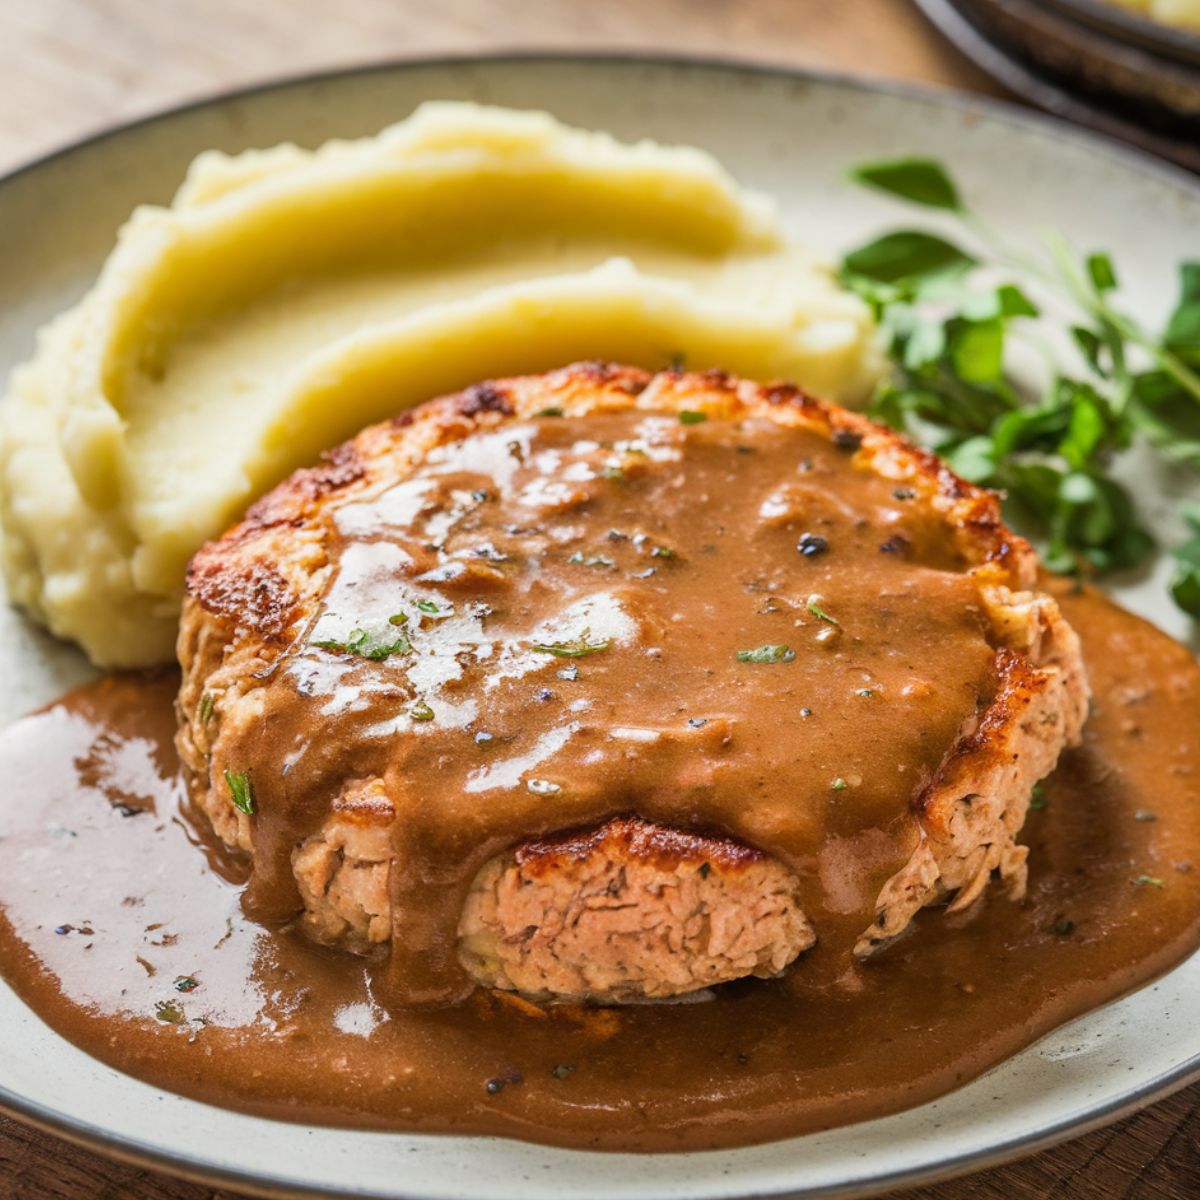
x=668 y=549
x=123 y=928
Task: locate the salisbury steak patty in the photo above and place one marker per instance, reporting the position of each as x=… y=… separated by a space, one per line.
x=610 y=685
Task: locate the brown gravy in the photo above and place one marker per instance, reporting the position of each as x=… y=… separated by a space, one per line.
x=595 y=585
x=127 y=937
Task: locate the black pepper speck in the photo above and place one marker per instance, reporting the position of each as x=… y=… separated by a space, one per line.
x=812 y=544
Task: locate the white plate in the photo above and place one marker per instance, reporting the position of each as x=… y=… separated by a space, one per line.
x=793 y=136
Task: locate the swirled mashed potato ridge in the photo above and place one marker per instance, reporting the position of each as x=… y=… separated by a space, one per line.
x=286 y=298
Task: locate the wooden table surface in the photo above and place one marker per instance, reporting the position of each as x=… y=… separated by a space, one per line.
x=70 y=67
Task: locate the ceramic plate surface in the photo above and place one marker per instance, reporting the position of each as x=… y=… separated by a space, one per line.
x=793 y=136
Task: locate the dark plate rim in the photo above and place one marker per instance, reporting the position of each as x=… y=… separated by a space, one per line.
x=1004 y=63
x=131 y=1150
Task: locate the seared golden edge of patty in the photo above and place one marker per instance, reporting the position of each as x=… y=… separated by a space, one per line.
x=250 y=593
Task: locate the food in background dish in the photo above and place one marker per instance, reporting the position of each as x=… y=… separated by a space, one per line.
x=1182 y=13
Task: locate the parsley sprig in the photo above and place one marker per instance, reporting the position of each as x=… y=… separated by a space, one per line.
x=951 y=333
x=376 y=647
x=579 y=647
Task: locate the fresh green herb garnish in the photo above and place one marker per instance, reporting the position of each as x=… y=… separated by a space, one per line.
x=1185 y=583
x=430 y=609
x=1149 y=880
x=400 y=645
x=579 y=648
x=663 y=552
x=240 y=792
x=421 y=711
x=359 y=642
x=591 y=560
x=1037 y=798
x=552 y=411
x=814 y=607
x=186 y=983
x=921 y=180
x=767 y=654
x=206 y=708
x=169 y=1012
x=949 y=330
x=689 y=416
x=839 y=784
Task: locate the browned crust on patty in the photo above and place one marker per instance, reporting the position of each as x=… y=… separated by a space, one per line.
x=635 y=838
x=217 y=578
x=252 y=592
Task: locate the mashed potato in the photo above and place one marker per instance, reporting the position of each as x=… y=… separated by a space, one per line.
x=287 y=298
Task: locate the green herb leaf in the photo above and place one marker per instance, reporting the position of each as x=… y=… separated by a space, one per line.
x=169 y=1012
x=1185 y=582
x=767 y=654
x=814 y=607
x=1101 y=272
x=362 y=644
x=1149 y=881
x=552 y=411
x=241 y=794
x=186 y=983
x=692 y=417
x=206 y=708
x=977 y=351
x=919 y=180
x=905 y=255
x=421 y=711
x=839 y=784
x=580 y=647
x=431 y=609
x=1014 y=303
x=1182 y=335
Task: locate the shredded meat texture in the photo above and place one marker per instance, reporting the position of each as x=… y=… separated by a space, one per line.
x=630 y=910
